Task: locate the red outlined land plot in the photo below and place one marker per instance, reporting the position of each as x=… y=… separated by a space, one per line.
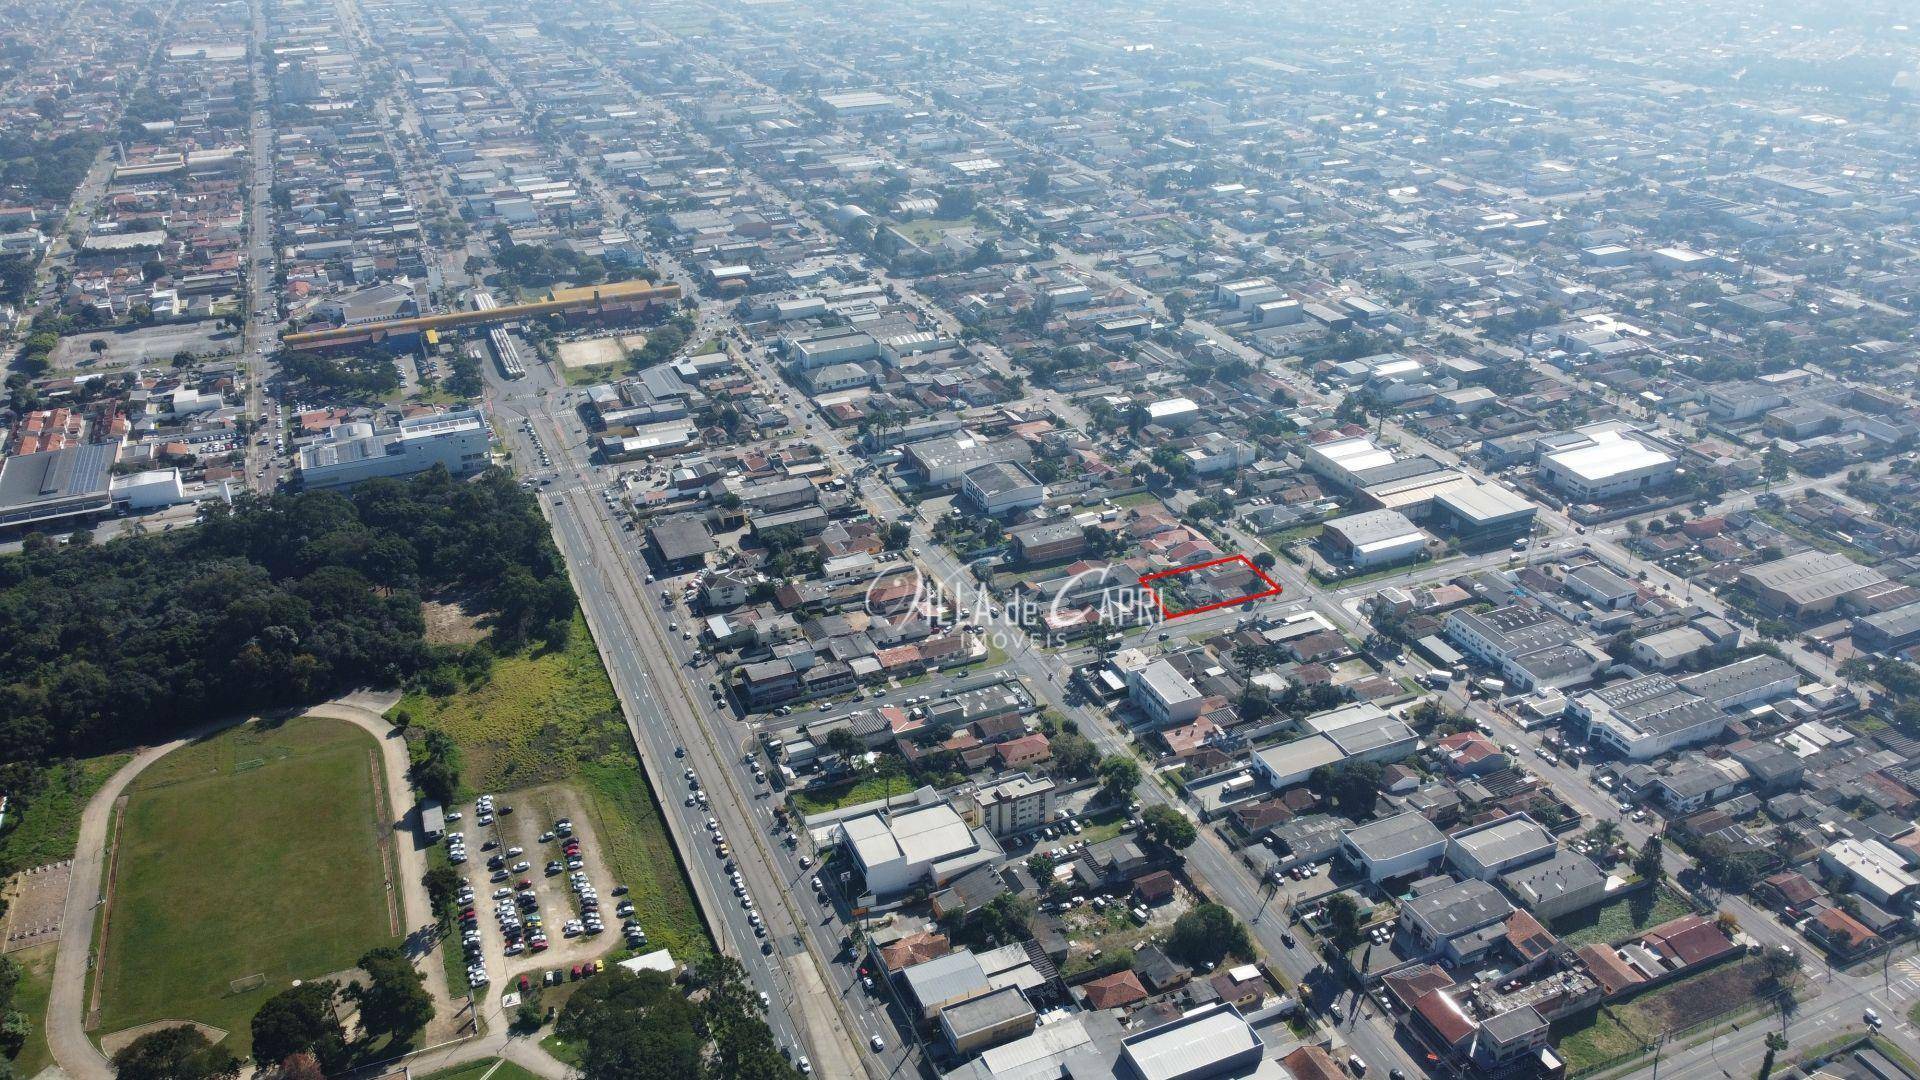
x=1203 y=585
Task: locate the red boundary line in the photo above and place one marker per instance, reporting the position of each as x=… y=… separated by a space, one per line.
x=1273 y=587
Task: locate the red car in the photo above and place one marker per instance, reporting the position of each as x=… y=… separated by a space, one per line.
x=524 y=984
x=526 y=883
x=576 y=971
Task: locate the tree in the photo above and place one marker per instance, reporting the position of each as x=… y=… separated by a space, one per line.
x=443 y=888
x=1343 y=918
x=301 y=1066
x=1776 y=1042
x=300 y=1019
x=175 y=1053
x=1780 y=963
x=1000 y=921
x=394 y=1000
x=1119 y=773
x=1169 y=828
x=843 y=741
x=436 y=762
x=633 y=1027
x=1355 y=787
x=1648 y=863
x=1074 y=756
x=1208 y=933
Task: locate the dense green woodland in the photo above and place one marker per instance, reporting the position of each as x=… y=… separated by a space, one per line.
x=279 y=601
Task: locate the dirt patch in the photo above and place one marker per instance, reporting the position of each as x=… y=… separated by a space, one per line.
x=452 y=622
x=1694 y=999
x=37 y=900
x=115 y=1042
x=594 y=352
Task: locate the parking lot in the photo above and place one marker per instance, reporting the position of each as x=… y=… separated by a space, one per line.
x=520 y=822
x=148 y=346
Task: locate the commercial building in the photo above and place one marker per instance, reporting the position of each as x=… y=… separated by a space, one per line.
x=149 y=490
x=1375 y=538
x=71 y=483
x=1165 y=695
x=1211 y=1040
x=1484 y=852
x=897 y=850
x=1049 y=542
x=1001 y=487
x=1808 y=583
x=679 y=543
x=1393 y=847
x=1613 y=465
x=988 y=1020
x=1457 y=923
x=944 y=461
x=1563 y=883
x=352 y=453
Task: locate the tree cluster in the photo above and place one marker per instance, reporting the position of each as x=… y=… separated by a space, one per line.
x=369 y=375
x=641 y=1027
x=1208 y=934
x=275 y=601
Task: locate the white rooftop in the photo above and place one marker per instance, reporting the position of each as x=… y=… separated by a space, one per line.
x=1610 y=455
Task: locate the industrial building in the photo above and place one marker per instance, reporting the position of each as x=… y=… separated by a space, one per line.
x=1374 y=538
x=1646 y=717
x=352 y=453
x=1612 y=465
x=1808 y=583
x=1483 y=514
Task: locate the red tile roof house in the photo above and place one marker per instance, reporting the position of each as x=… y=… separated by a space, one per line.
x=1116 y=991
x=1026 y=750
x=1690 y=940
x=1154 y=888
x=1470 y=753
x=1842 y=934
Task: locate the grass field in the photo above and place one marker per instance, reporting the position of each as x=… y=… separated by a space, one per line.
x=30 y=997
x=493 y=1068
x=46 y=829
x=1594 y=1038
x=925 y=231
x=257 y=851
x=1722 y=991
x=1616 y=919
x=866 y=789
x=550 y=716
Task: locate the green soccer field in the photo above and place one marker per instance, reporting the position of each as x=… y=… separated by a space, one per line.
x=258 y=852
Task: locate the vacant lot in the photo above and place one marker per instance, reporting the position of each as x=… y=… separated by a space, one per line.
x=594 y=352
x=252 y=857
x=1636 y=1024
x=45 y=830
x=1610 y=922
x=550 y=716
x=852 y=793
